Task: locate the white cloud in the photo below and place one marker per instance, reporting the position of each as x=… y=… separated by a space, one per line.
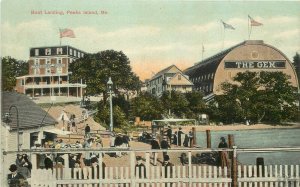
x=288 y=34
x=140 y=31
x=282 y=19
x=201 y=28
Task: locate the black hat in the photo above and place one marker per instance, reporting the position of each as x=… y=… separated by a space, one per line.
x=138 y=158
x=223 y=139
x=166 y=158
x=13 y=168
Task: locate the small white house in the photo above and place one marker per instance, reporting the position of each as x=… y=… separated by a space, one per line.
x=23 y=124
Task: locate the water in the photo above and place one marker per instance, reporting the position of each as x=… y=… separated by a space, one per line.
x=260 y=139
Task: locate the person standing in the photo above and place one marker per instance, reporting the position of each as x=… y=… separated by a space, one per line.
x=118 y=144
x=140 y=168
x=87 y=131
x=48 y=162
x=164 y=145
x=179 y=133
x=169 y=134
x=154 y=146
x=15 y=179
x=168 y=166
x=223 y=158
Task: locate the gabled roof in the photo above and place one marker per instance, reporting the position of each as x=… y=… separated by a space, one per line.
x=165 y=71
x=30 y=114
x=184 y=80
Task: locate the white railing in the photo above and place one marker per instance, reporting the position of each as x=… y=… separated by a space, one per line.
x=191 y=174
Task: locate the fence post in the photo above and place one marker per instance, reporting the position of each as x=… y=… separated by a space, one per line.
x=194 y=137
x=147 y=162
x=132 y=168
x=230 y=144
x=234 y=168
x=190 y=167
x=208 y=138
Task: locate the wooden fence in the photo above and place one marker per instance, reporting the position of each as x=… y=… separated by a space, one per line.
x=177 y=175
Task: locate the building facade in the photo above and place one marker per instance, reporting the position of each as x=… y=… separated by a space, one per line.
x=170 y=78
x=49 y=73
x=250 y=55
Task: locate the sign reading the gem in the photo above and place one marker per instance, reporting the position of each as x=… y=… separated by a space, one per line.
x=277 y=64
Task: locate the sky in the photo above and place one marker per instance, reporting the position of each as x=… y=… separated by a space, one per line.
x=152 y=34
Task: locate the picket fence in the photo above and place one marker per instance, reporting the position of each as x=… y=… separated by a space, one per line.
x=188 y=175
x=177 y=176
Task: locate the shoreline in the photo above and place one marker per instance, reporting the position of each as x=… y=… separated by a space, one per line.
x=238 y=127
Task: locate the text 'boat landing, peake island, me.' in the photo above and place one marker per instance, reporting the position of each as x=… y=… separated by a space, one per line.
x=67 y=12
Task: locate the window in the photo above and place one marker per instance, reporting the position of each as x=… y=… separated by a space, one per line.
x=48 y=51
x=36 y=52
x=82 y=55
x=58 y=61
x=75 y=52
x=59 y=65
x=78 y=54
x=71 y=52
x=36 y=67
x=21 y=139
x=179 y=77
x=48 y=66
x=59 y=51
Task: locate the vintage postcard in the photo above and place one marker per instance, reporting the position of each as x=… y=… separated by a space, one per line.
x=150 y=93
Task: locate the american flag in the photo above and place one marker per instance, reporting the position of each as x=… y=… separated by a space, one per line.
x=66 y=33
x=253 y=22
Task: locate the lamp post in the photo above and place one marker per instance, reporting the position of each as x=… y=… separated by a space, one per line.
x=110 y=91
x=7 y=118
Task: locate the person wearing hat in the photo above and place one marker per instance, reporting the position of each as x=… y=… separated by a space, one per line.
x=223 y=158
x=118 y=144
x=169 y=133
x=87 y=131
x=164 y=145
x=154 y=145
x=140 y=168
x=179 y=133
x=168 y=167
x=95 y=168
x=48 y=162
x=15 y=179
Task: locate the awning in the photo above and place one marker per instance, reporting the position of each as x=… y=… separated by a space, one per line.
x=58 y=131
x=173 y=120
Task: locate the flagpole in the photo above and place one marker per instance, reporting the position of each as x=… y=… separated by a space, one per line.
x=223 y=38
x=59 y=37
x=202 y=51
x=248 y=28
x=250 y=31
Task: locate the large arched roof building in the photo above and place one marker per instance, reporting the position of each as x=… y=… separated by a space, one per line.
x=250 y=55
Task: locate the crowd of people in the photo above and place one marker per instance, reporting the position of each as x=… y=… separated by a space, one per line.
x=21 y=169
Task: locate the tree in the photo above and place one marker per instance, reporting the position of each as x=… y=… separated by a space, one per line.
x=264 y=96
x=146 y=106
x=296 y=63
x=196 y=104
x=12 y=68
x=103 y=116
x=96 y=68
x=175 y=102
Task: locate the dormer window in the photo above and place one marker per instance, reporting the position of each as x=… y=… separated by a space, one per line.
x=59 y=51
x=48 y=51
x=36 y=52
